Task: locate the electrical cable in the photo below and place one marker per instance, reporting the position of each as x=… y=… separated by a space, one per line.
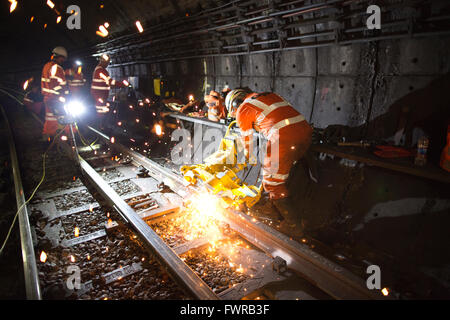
x=83 y=140
x=34 y=191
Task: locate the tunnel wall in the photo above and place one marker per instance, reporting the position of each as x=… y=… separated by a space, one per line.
x=345 y=85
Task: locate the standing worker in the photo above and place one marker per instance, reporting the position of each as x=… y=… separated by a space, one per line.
x=216 y=106
x=54 y=89
x=101 y=84
x=288 y=138
x=75 y=79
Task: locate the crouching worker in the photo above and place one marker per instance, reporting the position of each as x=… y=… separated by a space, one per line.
x=288 y=137
x=216 y=106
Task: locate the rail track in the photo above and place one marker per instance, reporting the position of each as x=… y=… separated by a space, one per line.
x=130 y=228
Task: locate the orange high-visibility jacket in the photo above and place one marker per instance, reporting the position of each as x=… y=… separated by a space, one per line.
x=287 y=132
x=267 y=113
x=101 y=84
x=75 y=79
x=53 y=81
x=54 y=88
x=216 y=106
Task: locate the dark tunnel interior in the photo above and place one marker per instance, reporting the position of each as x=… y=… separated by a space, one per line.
x=363 y=177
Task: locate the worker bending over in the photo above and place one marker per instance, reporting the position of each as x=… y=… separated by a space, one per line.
x=54 y=89
x=216 y=106
x=288 y=138
x=101 y=85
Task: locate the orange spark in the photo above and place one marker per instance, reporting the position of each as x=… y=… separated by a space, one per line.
x=103 y=30
x=13 y=5
x=158 y=130
x=43 y=257
x=50 y=4
x=139 y=26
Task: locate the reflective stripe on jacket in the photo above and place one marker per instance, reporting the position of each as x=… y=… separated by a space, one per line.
x=53 y=80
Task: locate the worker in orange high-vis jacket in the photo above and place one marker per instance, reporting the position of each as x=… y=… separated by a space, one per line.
x=75 y=79
x=54 y=89
x=216 y=106
x=288 y=137
x=101 y=85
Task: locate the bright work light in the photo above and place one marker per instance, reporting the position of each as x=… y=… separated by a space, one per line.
x=74 y=108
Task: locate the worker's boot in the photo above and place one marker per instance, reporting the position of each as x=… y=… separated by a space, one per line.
x=289 y=226
x=264 y=209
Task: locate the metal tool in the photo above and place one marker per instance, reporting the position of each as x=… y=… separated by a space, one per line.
x=219 y=173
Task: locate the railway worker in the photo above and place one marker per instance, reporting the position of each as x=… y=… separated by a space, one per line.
x=225 y=92
x=216 y=106
x=75 y=79
x=286 y=131
x=54 y=89
x=101 y=85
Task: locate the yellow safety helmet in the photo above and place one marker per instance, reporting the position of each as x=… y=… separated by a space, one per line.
x=234 y=99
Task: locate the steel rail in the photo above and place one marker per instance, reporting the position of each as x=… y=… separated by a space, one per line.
x=32 y=287
x=323 y=273
x=176 y=267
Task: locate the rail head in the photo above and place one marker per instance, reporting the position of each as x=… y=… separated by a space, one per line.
x=176 y=267
x=32 y=287
x=326 y=275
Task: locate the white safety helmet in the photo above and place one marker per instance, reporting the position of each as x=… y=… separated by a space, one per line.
x=104 y=57
x=234 y=99
x=60 y=51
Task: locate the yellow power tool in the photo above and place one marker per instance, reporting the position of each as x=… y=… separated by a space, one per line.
x=218 y=172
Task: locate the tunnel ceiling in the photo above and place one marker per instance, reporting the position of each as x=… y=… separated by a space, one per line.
x=29 y=42
x=290 y=25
